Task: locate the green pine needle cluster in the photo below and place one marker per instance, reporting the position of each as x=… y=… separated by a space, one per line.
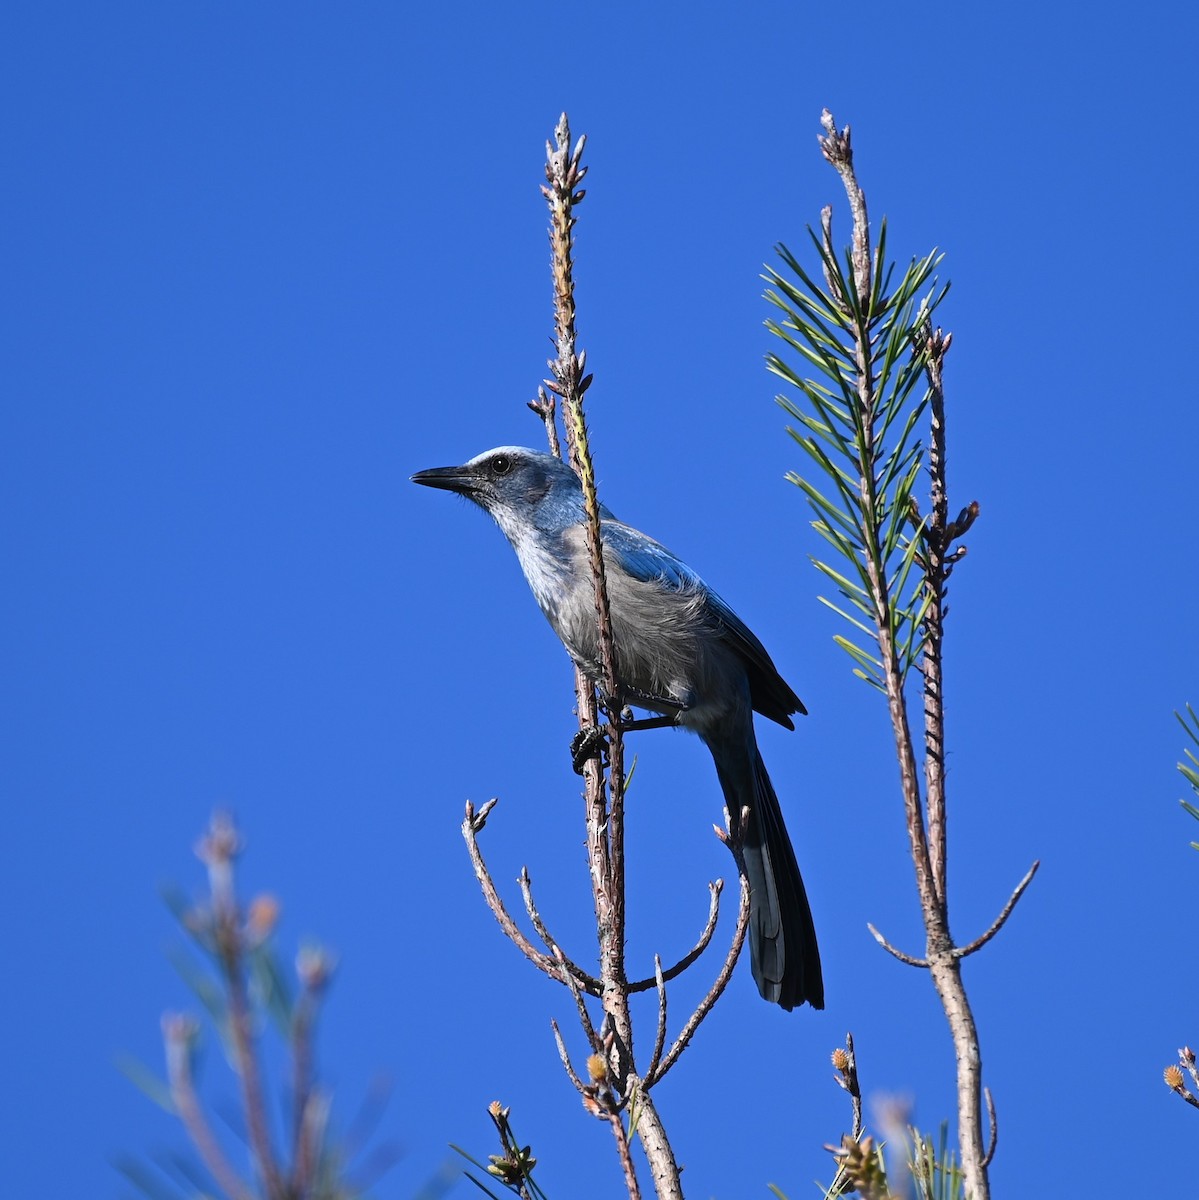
x=859 y=427
x=1190 y=768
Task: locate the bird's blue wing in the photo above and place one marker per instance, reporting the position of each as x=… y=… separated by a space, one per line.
x=649 y=561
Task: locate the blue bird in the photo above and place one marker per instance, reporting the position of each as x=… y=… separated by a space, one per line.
x=680 y=652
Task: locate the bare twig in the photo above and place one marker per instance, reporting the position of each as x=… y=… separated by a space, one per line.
x=993 y=1121
x=626 y=1158
x=1176 y=1080
x=643 y=985
x=1173 y=1077
x=1186 y=1056
x=730 y=961
x=846 y=1064
x=836 y=147
x=660 y=1035
x=899 y=954
x=565 y=1056
x=936 y=571
x=999 y=921
x=472 y=823
x=545 y=406
x=600 y=1100
x=589 y=982
x=593 y=1038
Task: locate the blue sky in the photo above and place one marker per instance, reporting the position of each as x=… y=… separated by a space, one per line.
x=264 y=261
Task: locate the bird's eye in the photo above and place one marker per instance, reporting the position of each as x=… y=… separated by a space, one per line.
x=501 y=464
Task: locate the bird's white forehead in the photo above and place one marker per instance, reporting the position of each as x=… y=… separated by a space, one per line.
x=511 y=451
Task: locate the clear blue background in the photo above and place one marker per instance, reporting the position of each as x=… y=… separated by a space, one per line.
x=263 y=261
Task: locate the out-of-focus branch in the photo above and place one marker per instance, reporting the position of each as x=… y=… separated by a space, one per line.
x=310 y=1107
x=236 y=942
x=178 y=1034
x=218 y=851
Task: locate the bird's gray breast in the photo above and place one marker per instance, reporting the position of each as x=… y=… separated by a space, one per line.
x=668 y=643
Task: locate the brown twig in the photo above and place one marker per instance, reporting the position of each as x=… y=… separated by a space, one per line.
x=545 y=406
x=596 y=1042
x=730 y=961
x=472 y=824
x=936 y=572
x=1000 y=920
x=623 y=1153
x=589 y=982
x=1176 y=1080
x=714 y=890
x=837 y=148
x=993 y=1121
x=660 y=1034
x=848 y=1154
x=899 y=954
x=1186 y=1056
x=565 y=1056
x=944 y=958
x=846 y=1064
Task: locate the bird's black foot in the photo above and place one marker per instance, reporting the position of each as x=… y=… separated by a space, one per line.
x=586 y=744
x=651 y=700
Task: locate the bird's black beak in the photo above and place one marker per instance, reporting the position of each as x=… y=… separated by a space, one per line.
x=449 y=479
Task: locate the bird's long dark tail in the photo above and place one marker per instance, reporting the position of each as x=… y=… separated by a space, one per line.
x=782 y=939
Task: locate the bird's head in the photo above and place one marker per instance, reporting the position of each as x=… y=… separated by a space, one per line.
x=515 y=485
